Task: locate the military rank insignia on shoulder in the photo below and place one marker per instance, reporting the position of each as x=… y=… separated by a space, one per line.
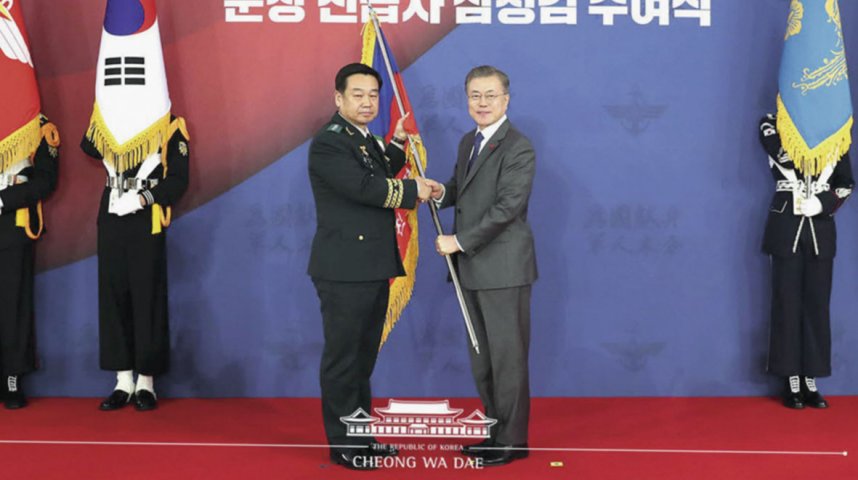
x=183 y=148
x=334 y=128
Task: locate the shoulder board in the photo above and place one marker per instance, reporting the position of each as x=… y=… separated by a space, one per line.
x=334 y=128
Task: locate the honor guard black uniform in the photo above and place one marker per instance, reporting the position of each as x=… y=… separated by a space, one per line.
x=801 y=238
x=23 y=186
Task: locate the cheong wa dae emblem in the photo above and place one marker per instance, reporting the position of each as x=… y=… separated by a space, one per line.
x=405 y=418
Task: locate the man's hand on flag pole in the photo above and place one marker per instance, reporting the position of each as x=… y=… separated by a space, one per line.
x=437 y=190
x=446 y=245
x=427 y=188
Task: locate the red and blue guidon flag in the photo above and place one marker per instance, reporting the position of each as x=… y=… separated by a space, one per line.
x=389 y=113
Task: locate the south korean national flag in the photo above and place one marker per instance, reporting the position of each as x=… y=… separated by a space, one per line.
x=132 y=101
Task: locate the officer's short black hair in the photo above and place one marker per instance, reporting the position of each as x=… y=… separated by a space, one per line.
x=354 y=69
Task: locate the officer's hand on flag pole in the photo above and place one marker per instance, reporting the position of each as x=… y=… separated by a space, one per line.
x=400 y=132
x=424 y=189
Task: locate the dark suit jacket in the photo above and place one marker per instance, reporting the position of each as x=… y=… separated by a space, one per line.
x=168 y=191
x=491 y=211
x=41 y=181
x=355 y=194
x=782 y=224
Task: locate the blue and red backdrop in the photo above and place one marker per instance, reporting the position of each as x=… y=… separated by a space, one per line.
x=648 y=205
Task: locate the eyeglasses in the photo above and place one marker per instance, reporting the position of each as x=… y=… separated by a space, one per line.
x=489 y=97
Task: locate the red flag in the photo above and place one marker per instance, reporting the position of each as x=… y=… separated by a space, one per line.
x=19 y=118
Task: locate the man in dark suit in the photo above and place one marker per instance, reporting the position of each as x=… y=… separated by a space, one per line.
x=493 y=243
x=801 y=239
x=354 y=253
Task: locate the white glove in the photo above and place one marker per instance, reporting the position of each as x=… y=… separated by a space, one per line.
x=810 y=207
x=128 y=203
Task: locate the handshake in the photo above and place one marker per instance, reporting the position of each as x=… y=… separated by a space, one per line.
x=428 y=188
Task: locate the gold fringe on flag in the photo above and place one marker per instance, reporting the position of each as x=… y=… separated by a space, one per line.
x=133 y=152
x=811 y=161
x=368 y=51
x=402 y=287
x=21 y=143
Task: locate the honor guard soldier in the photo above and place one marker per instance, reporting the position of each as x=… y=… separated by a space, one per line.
x=144 y=150
x=28 y=173
x=801 y=238
x=807 y=143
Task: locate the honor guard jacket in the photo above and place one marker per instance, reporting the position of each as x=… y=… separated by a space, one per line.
x=21 y=218
x=784 y=228
x=171 y=176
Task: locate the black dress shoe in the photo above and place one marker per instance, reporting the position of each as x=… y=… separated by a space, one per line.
x=815 y=400
x=503 y=454
x=477 y=449
x=15 y=400
x=382 y=450
x=359 y=460
x=145 y=400
x=793 y=400
x=116 y=400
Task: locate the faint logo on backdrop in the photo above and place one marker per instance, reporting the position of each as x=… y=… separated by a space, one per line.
x=634 y=353
x=638 y=114
x=436 y=106
x=285 y=228
x=639 y=230
x=425 y=418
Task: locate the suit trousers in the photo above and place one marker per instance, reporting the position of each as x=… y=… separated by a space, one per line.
x=353 y=316
x=800 y=334
x=501 y=319
x=17 y=331
x=133 y=328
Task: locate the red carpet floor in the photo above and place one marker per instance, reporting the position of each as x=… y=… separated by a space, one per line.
x=618 y=438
